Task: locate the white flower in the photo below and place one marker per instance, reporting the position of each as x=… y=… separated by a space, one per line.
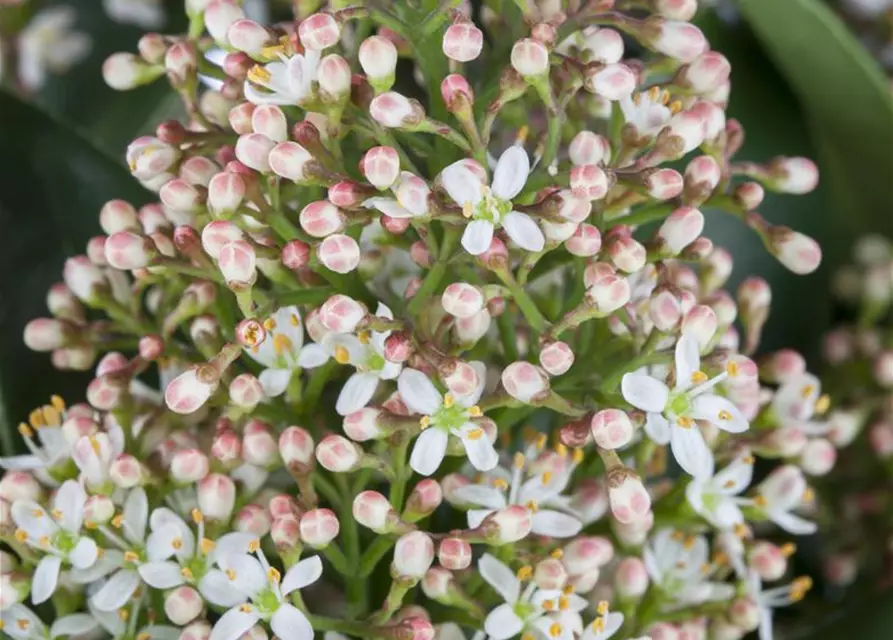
x=444 y=416
x=261 y=584
x=530 y=609
x=94 y=455
x=798 y=401
x=672 y=414
x=193 y=557
x=53 y=449
x=282 y=352
x=490 y=207
x=48 y=43
x=407 y=201
x=148 y=14
x=604 y=627
x=676 y=563
x=779 y=494
x=285 y=83
x=773 y=598
x=58 y=534
x=23 y=624
x=532 y=492
x=715 y=498
x=366 y=353
x=119 y=626
x=646 y=112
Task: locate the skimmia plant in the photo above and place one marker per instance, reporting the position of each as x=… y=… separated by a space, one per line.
x=422 y=336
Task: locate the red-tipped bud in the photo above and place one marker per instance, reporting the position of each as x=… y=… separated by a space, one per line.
x=378 y=58
x=189 y=465
x=530 y=58
x=525 y=381
x=183 y=605
x=612 y=82
x=589 y=148
x=629 y=499
x=319 y=527
x=339 y=252
x=216 y=496
x=319 y=31
x=413 y=555
x=238 y=264
x=296 y=448
x=612 y=429
x=454 y=554
x=680 y=40
x=321 y=218
x=462 y=300
x=799 y=253
x=794 y=175
x=463 y=42
x=588 y=181
x=334 y=77
x=341 y=314
x=381 y=166
x=338 y=454
x=664 y=184
x=426 y=496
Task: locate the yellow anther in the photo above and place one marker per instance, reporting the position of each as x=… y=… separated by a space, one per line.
x=698 y=377
x=558 y=554
x=186 y=572
x=57 y=514
x=124 y=614
x=118 y=521
x=2 y=625
x=808 y=494
x=273 y=575
x=51 y=417
x=35 y=419
x=568 y=588
x=546 y=477
x=760 y=501
x=598 y=625
x=94 y=443
x=364 y=337
x=807 y=390
x=231 y=574
x=724 y=415
x=675 y=107
x=532 y=506
x=561 y=449
x=577 y=456
x=23 y=623
x=21 y=535
x=131 y=556
x=90 y=524
x=540 y=441
x=500 y=484
x=602 y=608
x=654 y=93
x=475 y=434
x=273 y=51
x=678 y=536
x=468 y=209
x=177 y=543
x=25 y=430
x=518 y=461
x=527 y=636
x=555 y=629
x=803 y=583
x=732 y=368
x=253 y=546
x=822 y=404
x=424 y=422
x=525 y=572
x=741 y=530
x=748 y=459
x=564 y=603
x=246 y=608
x=523 y=132
x=37 y=513
x=258 y=74
x=449 y=400
x=342 y=355
x=475 y=411
x=100 y=553
x=685 y=422
x=788 y=549
x=548 y=605
x=58 y=403
x=206 y=546
x=197 y=516
x=689 y=542
x=270 y=324
x=720 y=559
x=44 y=541
x=282 y=344
x=680 y=564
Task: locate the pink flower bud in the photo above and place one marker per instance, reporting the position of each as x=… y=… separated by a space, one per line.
x=362 y=425
x=339 y=252
x=462 y=300
x=530 y=58
x=226 y=191
x=438 y=583
x=631 y=578
x=289 y=160
x=664 y=184
x=612 y=429
x=589 y=148
x=799 y=253
x=258 y=445
x=188 y=465
x=612 y=82
x=687 y=127
x=398 y=347
x=321 y=218
x=818 y=457
x=296 y=447
x=106 y=392
x=98 y=509
x=152 y=47
x=415 y=628
x=198 y=170
x=253 y=150
x=454 y=554
x=216 y=495
x=238 y=264
x=295 y=254
x=556 y=358
x=680 y=40
x=745 y=613
x=629 y=500
x=82 y=277
x=19 y=485
x=626 y=253
x=426 y=496
x=96 y=251
x=768 y=560
x=795 y=175
x=511 y=524
x=241 y=118
x=454 y=87
x=700 y=322
x=609 y=293
x=285 y=532
x=706 y=72
x=338 y=454
x=572 y=208
x=676 y=10
x=413 y=555
x=550 y=574
x=189 y=391
x=219 y=16
x=394 y=110
x=524 y=381
x=378 y=58
x=341 y=314
x=269 y=121
x=713 y=116
x=319 y=527
x=126 y=250
x=181 y=196
x=586 y=554
x=681 y=228
x=724 y=307
x=118 y=215
x=381 y=166
x=182 y=605
x=588 y=181
x=463 y=42
x=845 y=426
x=254 y=519
x=126 y=472
x=217 y=234
x=149 y=157
x=45 y=334
x=282 y=506
x=319 y=31
x=703 y=173
x=248 y=36
x=334 y=77
x=180 y=61
x=664 y=310
x=372 y=510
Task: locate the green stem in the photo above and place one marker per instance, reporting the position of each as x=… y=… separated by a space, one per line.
x=373 y=555
x=528 y=307
x=451 y=237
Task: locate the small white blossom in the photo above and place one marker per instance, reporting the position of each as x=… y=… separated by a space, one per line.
x=769 y=599
x=646 y=113
x=715 y=498
x=23 y=624
x=148 y=14
x=49 y=44
x=287 y=82
x=282 y=351
x=676 y=563
x=780 y=493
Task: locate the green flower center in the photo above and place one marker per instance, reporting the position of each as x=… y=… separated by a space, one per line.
x=450 y=415
x=523 y=610
x=266 y=602
x=490 y=208
x=194 y=569
x=65 y=541
x=374 y=362
x=680 y=405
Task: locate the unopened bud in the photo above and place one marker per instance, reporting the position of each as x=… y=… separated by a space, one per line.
x=612 y=429
x=188 y=466
x=319 y=527
x=525 y=381
x=463 y=42
x=454 y=554
x=338 y=454
x=413 y=555
x=216 y=495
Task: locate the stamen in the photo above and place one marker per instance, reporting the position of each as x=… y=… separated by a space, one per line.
x=518 y=460
x=525 y=572
x=270 y=324
x=475 y=434
x=724 y=415
x=732 y=368
x=342 y=355
x=555 y=630
x=207 y=546
x=561 y=449
x=822 y=404
x=364 y=337
x=231 y=574
x=568 y=588
x=563 y=603
x=21 y=536
x=598 y=625
x=448 y=400
x=186 y=572
x=253 y=546
x=131 y=556
x=548 y=605
x=246 y=608
x=259 y=75
x=25 y=430
x=58 y=403
x=760 y=501
x=23 y=623
x=788 y=549
x=118 y=521
x=197 y=516
x=282 y=344
x=523 y=132
x=475 y=411
x=807 y=390
x=532 y=506
x=500 y=484
x=558 y=554
x=602 y=608
x=177 y=543
x=425 y=422
x=124 y=614
x=37 y=513
x=273 y=575
x=577 y=456
x=698 y=377
x=547 y=477
x=294 y=320
x=685 y=422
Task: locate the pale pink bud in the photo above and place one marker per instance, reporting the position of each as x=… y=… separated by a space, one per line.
x=799 y=253
x=769 y=561
x=217 y=234
x=372 y=510
x=454 y=554
x=98 y=509
x=182 y=605
x=703 y=173
x=149 y=157
x=588 y=181
x=700 y=322
x=253 y=150
x=319 y=31
x=238 y=263
x=241 y=118
x=605 y=45
x=609 y=293
x=334 y=77
x=179 y=195
x=393 y=110
x=219 y=16
x=749 y=195
x=631 y=578
x=524 y=381
x=282 y=506
x=626 y=253
x=453 y=87
x=818 y=457
x=530 y=57
x=462 y=300
x=688 y=128
x=664 y=310
x=713 y=117
x=845 y=426
x=438 y=582
x=398 y=347
x=795 y=175
x=426 y=496
x=339 y=252
x=118 y=215
x=258 y=445
x=745 y=613
x=341 y=314
x=511 y=524
x=550 y=574
x=126 y=472
x=664 y=184
x=254 y=519
x=589 y=148
x=216 y=495
x=586 y=553
x=198 y=170
x=413 y=555
x=573 y=208
x=338 y=454
x=152 y=47
x=225 y=193
x=612 y=82
x=96 y=250
x=378 y=58
x=106 y=392
x=19 y=485
x=321 y=218
x=706 y=72
x=381 y=166
x=362 y=425
x=296 y=447
x=188 y=392
x=45 y=334
x=681 y=228
x=152 y=218
x=189 y=465
x=269 y=121
x=612 y=428
x=463 y=42
x=82 y=277
x=680 y=40
x=289 y=160
x=629 y=499
x=556 y=358
x=663 y=631
x=676 y=10
x=415 y=627
x=461 y=378
x=126 y=250
x=180 y=61
x=586 y=241
x=285 y=532
x=295 y=254
x=248 y=36
x=319 y=527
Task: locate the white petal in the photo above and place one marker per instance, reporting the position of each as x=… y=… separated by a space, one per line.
x=69 y=500
x=23 y=463
x=477 y=516
x=720 y=412
x=288 y=623
x=726 y=514
x=472 y=398
x=117 y=590
x=477 y=237
x=84 y=553
x=547 y=522
x=525 y=233
x=499 y=576
x=694 y=493
x=11 y=617
x=312 y=356
x=356 y=393
x=33 y=518
x=657 y=428
x=217 y=589
x=428 y=451
x=644 y=392
x=235 y=543
x=793 y=524
x=304 y=573
x=736 y=477
x=418 y=392
x=502 y=623
x=357 y=352
x=480 y=495
x=249 y=576
x=389 y=207
x=110 y=560
x=136 y=515
x=233 y=624
x=691 y=452
x=275 y=381
x=46 y=577
x=766 y=623
x=384 y=311
x=161 y=575
x=74 y=625
x=480 y=451
x=688 y=360
x=461 y=184
x=511 y=173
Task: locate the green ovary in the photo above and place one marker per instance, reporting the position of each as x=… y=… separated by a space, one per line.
x=266 y=602
x=491 y=208
x=64 y=541
x=680 y=405
x=450 y=418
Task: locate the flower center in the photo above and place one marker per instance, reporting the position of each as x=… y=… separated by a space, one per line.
x=680 y=405
x=450 y=416
x=524 y=610
x=266 y=601
x=65 y=541
x=374 y=362
x=193 y=569
x=490 y=208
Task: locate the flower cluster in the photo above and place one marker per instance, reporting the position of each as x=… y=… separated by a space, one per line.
x=439 y=354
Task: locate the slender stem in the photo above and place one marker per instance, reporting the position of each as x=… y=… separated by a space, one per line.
x=528 y=307
x=451 y=237
x=373 y=555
